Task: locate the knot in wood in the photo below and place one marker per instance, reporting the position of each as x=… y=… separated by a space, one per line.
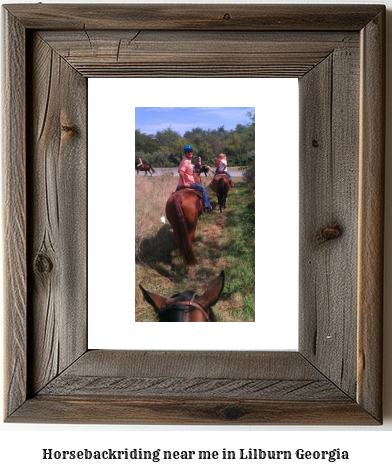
x=43 y=264
x=328 y=233
x=232 y=412
x=68 y=128
x=227 y=16
x=315 y=143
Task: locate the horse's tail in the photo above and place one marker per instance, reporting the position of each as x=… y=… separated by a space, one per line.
x=182 y=232
x=152 y=169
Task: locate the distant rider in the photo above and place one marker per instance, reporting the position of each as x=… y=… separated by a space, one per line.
x=198 y=165
x=223 y=168
x=218 y=163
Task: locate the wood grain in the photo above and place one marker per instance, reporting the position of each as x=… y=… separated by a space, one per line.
x=14 y=202
x=192 y=387
x=57 y=215
x=172 y=411
x=195 y=53
x=193 y=17
x=208 y=364
x=205 y=374
x=371 y=215
x=329 y=167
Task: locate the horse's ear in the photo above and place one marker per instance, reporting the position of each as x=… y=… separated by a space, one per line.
x=156 y=301
x=211 y=296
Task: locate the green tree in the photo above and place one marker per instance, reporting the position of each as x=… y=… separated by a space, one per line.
x=179 y=145
x=145 y=143
x=167 y=138
x=164 y=149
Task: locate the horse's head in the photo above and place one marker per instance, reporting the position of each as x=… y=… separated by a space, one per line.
x=187 y=306
x=196 y=177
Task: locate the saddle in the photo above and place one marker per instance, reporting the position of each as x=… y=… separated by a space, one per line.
x=190 y=189
x=220 y=173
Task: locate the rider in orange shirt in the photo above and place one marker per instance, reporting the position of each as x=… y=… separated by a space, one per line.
x=218 y=162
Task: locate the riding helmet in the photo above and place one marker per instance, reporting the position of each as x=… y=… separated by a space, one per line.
x=187 y=148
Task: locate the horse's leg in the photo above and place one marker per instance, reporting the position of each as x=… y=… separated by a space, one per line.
x=227 y=191
x=192 y=238
x=192 y=234
x=177 y=208
x=221 y=194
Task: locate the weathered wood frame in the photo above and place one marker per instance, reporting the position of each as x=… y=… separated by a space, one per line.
x=337 y=52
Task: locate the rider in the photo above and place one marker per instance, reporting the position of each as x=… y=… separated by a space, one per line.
x=198 y=165
x=218 y=163
x=185 y=171
x=140 y=164
x=223 y=168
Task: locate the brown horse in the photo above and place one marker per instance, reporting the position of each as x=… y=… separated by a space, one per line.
x=146 y=168
x=183 y=209
x=187 y=307
x=203 y=169
x=196 y=177
x=197 y=173
x=221 y=187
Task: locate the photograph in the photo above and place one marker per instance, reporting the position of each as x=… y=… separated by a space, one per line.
x=195 y=214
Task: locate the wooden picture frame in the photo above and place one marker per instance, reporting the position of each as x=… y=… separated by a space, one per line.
x=337 y=52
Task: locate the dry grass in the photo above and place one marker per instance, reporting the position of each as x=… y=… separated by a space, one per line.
x=150 y=206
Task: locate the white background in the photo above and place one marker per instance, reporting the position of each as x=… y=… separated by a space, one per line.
x=369 y=447
x=111 y=213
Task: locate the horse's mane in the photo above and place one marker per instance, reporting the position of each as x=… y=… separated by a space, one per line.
x=175 y=312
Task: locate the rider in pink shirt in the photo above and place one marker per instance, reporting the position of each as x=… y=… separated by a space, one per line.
x=185 y=172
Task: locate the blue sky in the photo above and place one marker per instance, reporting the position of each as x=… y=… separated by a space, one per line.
x=150 y=120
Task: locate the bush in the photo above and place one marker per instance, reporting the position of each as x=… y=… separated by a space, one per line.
x=249 y=172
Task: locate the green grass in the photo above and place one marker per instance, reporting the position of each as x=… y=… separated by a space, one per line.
x=223 y=242
x=239 y=250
